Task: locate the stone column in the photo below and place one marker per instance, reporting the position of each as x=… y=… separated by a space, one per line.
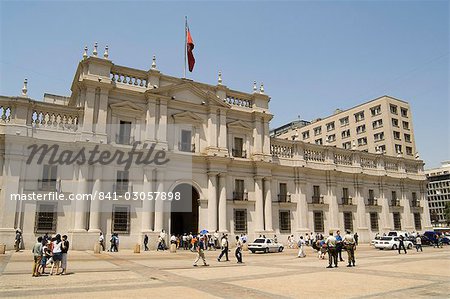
x=212 y=201
x=426 y=220
x=257 y=137
x=302 y=206
x=361 y=216
x=386 y=223
x=89 y=110
x=162 y=123
x=100 y=127
x=223 y=130
x=407 y=215
x=95 y=212
x=159 y=204
x=147 y=205
x=80 y=205
x=266 y=138
x=223 y=203
x=150 y=120
x=212 y=129
x=259 y=206
x=268 y=204
x=333 y=211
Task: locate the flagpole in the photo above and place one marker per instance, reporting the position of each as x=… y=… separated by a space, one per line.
x=185 y=46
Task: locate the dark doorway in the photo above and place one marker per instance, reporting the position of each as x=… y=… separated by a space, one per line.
x=184 y=215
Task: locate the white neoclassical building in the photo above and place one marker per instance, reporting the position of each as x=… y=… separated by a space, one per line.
x=221 y=156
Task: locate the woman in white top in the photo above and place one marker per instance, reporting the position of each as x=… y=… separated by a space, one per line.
x=56 y=254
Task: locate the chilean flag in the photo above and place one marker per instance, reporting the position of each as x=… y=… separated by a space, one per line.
x=189 y=48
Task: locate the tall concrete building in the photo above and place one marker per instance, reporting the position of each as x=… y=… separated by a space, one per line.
x=383 y=125
x=214 y=148
x=438 y=192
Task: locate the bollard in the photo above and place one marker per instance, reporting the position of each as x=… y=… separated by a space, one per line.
x=173 y=248
x=137 y=248
x=2 y=248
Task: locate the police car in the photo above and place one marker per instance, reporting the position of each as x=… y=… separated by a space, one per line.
x=265 y=245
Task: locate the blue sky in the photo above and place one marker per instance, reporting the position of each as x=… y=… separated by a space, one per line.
x=313 y=57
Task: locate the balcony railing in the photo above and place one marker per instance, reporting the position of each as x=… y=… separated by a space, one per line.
x=242 y=196
x=284 y=198
x=395 y=202
x=317 y=200
x=186 y=147
x=120 y=139
x=372 y=202
x=348 y=201
x=238 y=153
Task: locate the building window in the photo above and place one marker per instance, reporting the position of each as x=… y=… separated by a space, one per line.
x=283 y=195
x=395 y=122
x=377 y=123
x=317 y=131
x=239 y=193
x=362 y=141
x=332 y=138
x=359 y=116
x=371 y=200
x=378 y=136
x=394 y=109
x=305 y=135
x=404 y=112
x=120 y=220
x=344 y=121
x=398 y=148
x=49 y=178
x=318 y=222
x=417 y=221
x=409 y=150
x=374 y=221
x=121 y=185
x=347 y=145
x=46 y=218
x=348 y=221
x=240 y=220
x=345 y=133
x=285 y=222
x=360 y=129
x=375 y=110
x=405 y=125
x=380 y=148
x=186 y=141
x=396 y=135
x=319 y=141
x=397 y=221
x=330 y=126
x=238 y=150
x=124 y=136
x=317 y=198
x=407 y=138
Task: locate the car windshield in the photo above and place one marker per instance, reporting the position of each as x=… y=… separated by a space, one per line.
x=259 y=241
x=386 y=238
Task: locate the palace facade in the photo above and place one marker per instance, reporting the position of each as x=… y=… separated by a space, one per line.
x=239 y=178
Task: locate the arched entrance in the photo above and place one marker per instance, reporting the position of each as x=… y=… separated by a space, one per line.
x=184 y=215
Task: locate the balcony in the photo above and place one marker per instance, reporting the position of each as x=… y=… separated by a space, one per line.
x=186 y=147
x=284 y=198
x=239 y=153
x=372 y=202
x=395 y=202
x=241 y=196
x=317 y=200
x=347 y=201
x=127 y=140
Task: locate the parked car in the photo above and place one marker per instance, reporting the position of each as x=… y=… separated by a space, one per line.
x=396 y=233
x=372 y=243
x=431 y=236
x=391 y=242
x=265 y=245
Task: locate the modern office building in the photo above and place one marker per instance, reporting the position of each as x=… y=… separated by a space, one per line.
x=219 y=154
x=438 y=192
x=383 y=125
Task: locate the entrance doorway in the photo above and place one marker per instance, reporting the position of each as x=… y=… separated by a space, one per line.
x=184 y=218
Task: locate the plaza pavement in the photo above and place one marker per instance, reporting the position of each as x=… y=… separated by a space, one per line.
x=377 y=274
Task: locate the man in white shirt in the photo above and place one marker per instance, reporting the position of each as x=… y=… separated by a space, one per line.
x=332 y=254
x=418 y=243
x=101 y=241
x=224 y=244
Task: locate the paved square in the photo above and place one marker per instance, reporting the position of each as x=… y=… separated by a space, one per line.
x=277 y=275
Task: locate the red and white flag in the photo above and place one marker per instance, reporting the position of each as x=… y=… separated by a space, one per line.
x=189 y=49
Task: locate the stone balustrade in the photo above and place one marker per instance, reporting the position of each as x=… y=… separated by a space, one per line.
x=240 y=102
x=128 y=76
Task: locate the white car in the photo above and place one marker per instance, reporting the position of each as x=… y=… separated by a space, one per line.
x=390 y=242
x=265 y=245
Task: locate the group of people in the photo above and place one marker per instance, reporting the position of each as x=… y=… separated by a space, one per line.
x=50 y=251
x=224 y=245
x=114 y=242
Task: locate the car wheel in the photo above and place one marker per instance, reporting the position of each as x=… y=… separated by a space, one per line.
x=409 y=246
x=266 y=250
x=394 y=247
x=280 y=249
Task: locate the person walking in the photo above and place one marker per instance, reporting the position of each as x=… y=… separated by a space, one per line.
x=200 y=252
x=145 y=242
x=332 y=254
x=37 y=254
x=224 y=245
x=356 y=238
x=339 y=245
x=418 y=243
x=301 y=247
x=64 y=251
x=17 y=240
x=401 y=245
x=101 y=241
x=238 y=252
x=349 y=243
